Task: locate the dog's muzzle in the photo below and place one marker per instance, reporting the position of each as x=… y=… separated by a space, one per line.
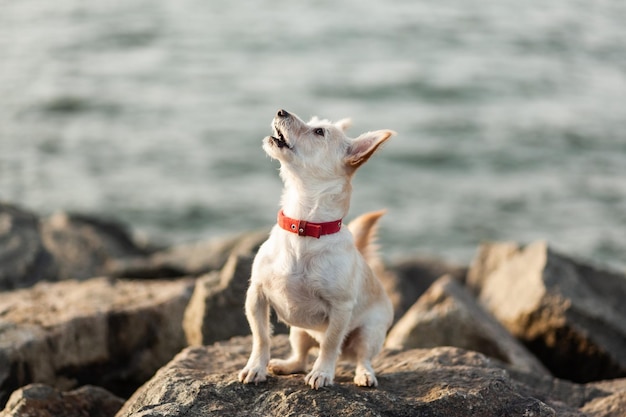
x=279 y=137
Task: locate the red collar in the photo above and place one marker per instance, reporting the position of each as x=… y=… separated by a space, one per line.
x=304 y=228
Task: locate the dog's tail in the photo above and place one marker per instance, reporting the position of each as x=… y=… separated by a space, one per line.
x=364 y=230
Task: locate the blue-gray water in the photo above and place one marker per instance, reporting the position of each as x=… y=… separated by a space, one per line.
x=511 y=115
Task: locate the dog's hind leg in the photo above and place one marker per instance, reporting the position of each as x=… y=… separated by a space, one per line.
x=364 y=375
x=301 y=343
x=365 y=343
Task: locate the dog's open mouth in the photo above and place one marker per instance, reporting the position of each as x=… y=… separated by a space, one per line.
x=279 y=138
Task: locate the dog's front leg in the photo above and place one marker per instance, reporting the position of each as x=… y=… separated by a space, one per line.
x=323 y=372
x=258 y=315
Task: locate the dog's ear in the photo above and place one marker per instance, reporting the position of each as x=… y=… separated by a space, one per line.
x=344 y=124
x=364 y=146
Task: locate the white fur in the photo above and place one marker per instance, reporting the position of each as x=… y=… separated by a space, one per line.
x=323 y=288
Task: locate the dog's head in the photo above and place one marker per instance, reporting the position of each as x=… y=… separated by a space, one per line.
x=320 y=148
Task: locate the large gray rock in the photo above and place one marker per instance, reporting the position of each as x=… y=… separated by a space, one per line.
x=23 y=258
x=77 y=246
x=571 y=315
x=450 y=382
x=406 y=279
x=38 y=400
x=101 y=331
x=63 y=246
x=448 y=315
x=85 y=246
x=190 y=259
x=216 y=309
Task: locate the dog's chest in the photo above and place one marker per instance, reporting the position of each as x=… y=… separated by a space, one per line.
x=300 y=291
x=304 y=279
x=298 y=298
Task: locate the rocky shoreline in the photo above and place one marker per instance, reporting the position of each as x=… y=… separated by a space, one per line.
x=94 y=323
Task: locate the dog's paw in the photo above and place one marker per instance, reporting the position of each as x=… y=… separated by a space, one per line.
x=318 y=379
x=252 y=374
x=285 y=366
x=365 y=379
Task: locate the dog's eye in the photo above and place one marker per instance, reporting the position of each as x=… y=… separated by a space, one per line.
x=319 y=131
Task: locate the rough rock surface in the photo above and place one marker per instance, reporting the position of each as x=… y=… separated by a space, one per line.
x=447 y=315
x=408 y=278
x=572 y=316
x=612 y=405
x=116 y=333
x=489 y=258
x=23 y=258
x=449 y=382
x=106 y=332
x=38 y=400
x=216 y=309
x=192 y=259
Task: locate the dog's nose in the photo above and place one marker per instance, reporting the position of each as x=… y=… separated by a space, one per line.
x=282 y=113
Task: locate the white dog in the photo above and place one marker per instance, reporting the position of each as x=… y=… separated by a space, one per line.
x=311 y=270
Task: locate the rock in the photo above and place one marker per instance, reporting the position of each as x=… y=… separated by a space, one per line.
x=23 y=258
x=216 y=309
x=571 y=315
x=445 y=381
x=191 y=259
x=610 y=385
x=84 y=246
x=487 y=261
x=38 y=400
x=547 y=387
x=447 y=315
x=611 y=406
x=63 y=246
x=408 y=278
x=106 y=332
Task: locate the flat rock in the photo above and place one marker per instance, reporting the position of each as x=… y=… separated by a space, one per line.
x=39 y=400
x=571 y=315
x=444 y=381
x=106 y=332
x=448 y=315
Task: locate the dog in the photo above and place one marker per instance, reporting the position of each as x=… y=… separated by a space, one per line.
x=311 y=270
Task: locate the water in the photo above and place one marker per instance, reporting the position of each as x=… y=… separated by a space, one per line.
x=511 y=115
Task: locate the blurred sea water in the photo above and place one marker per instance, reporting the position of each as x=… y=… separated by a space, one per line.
x=511 y=116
